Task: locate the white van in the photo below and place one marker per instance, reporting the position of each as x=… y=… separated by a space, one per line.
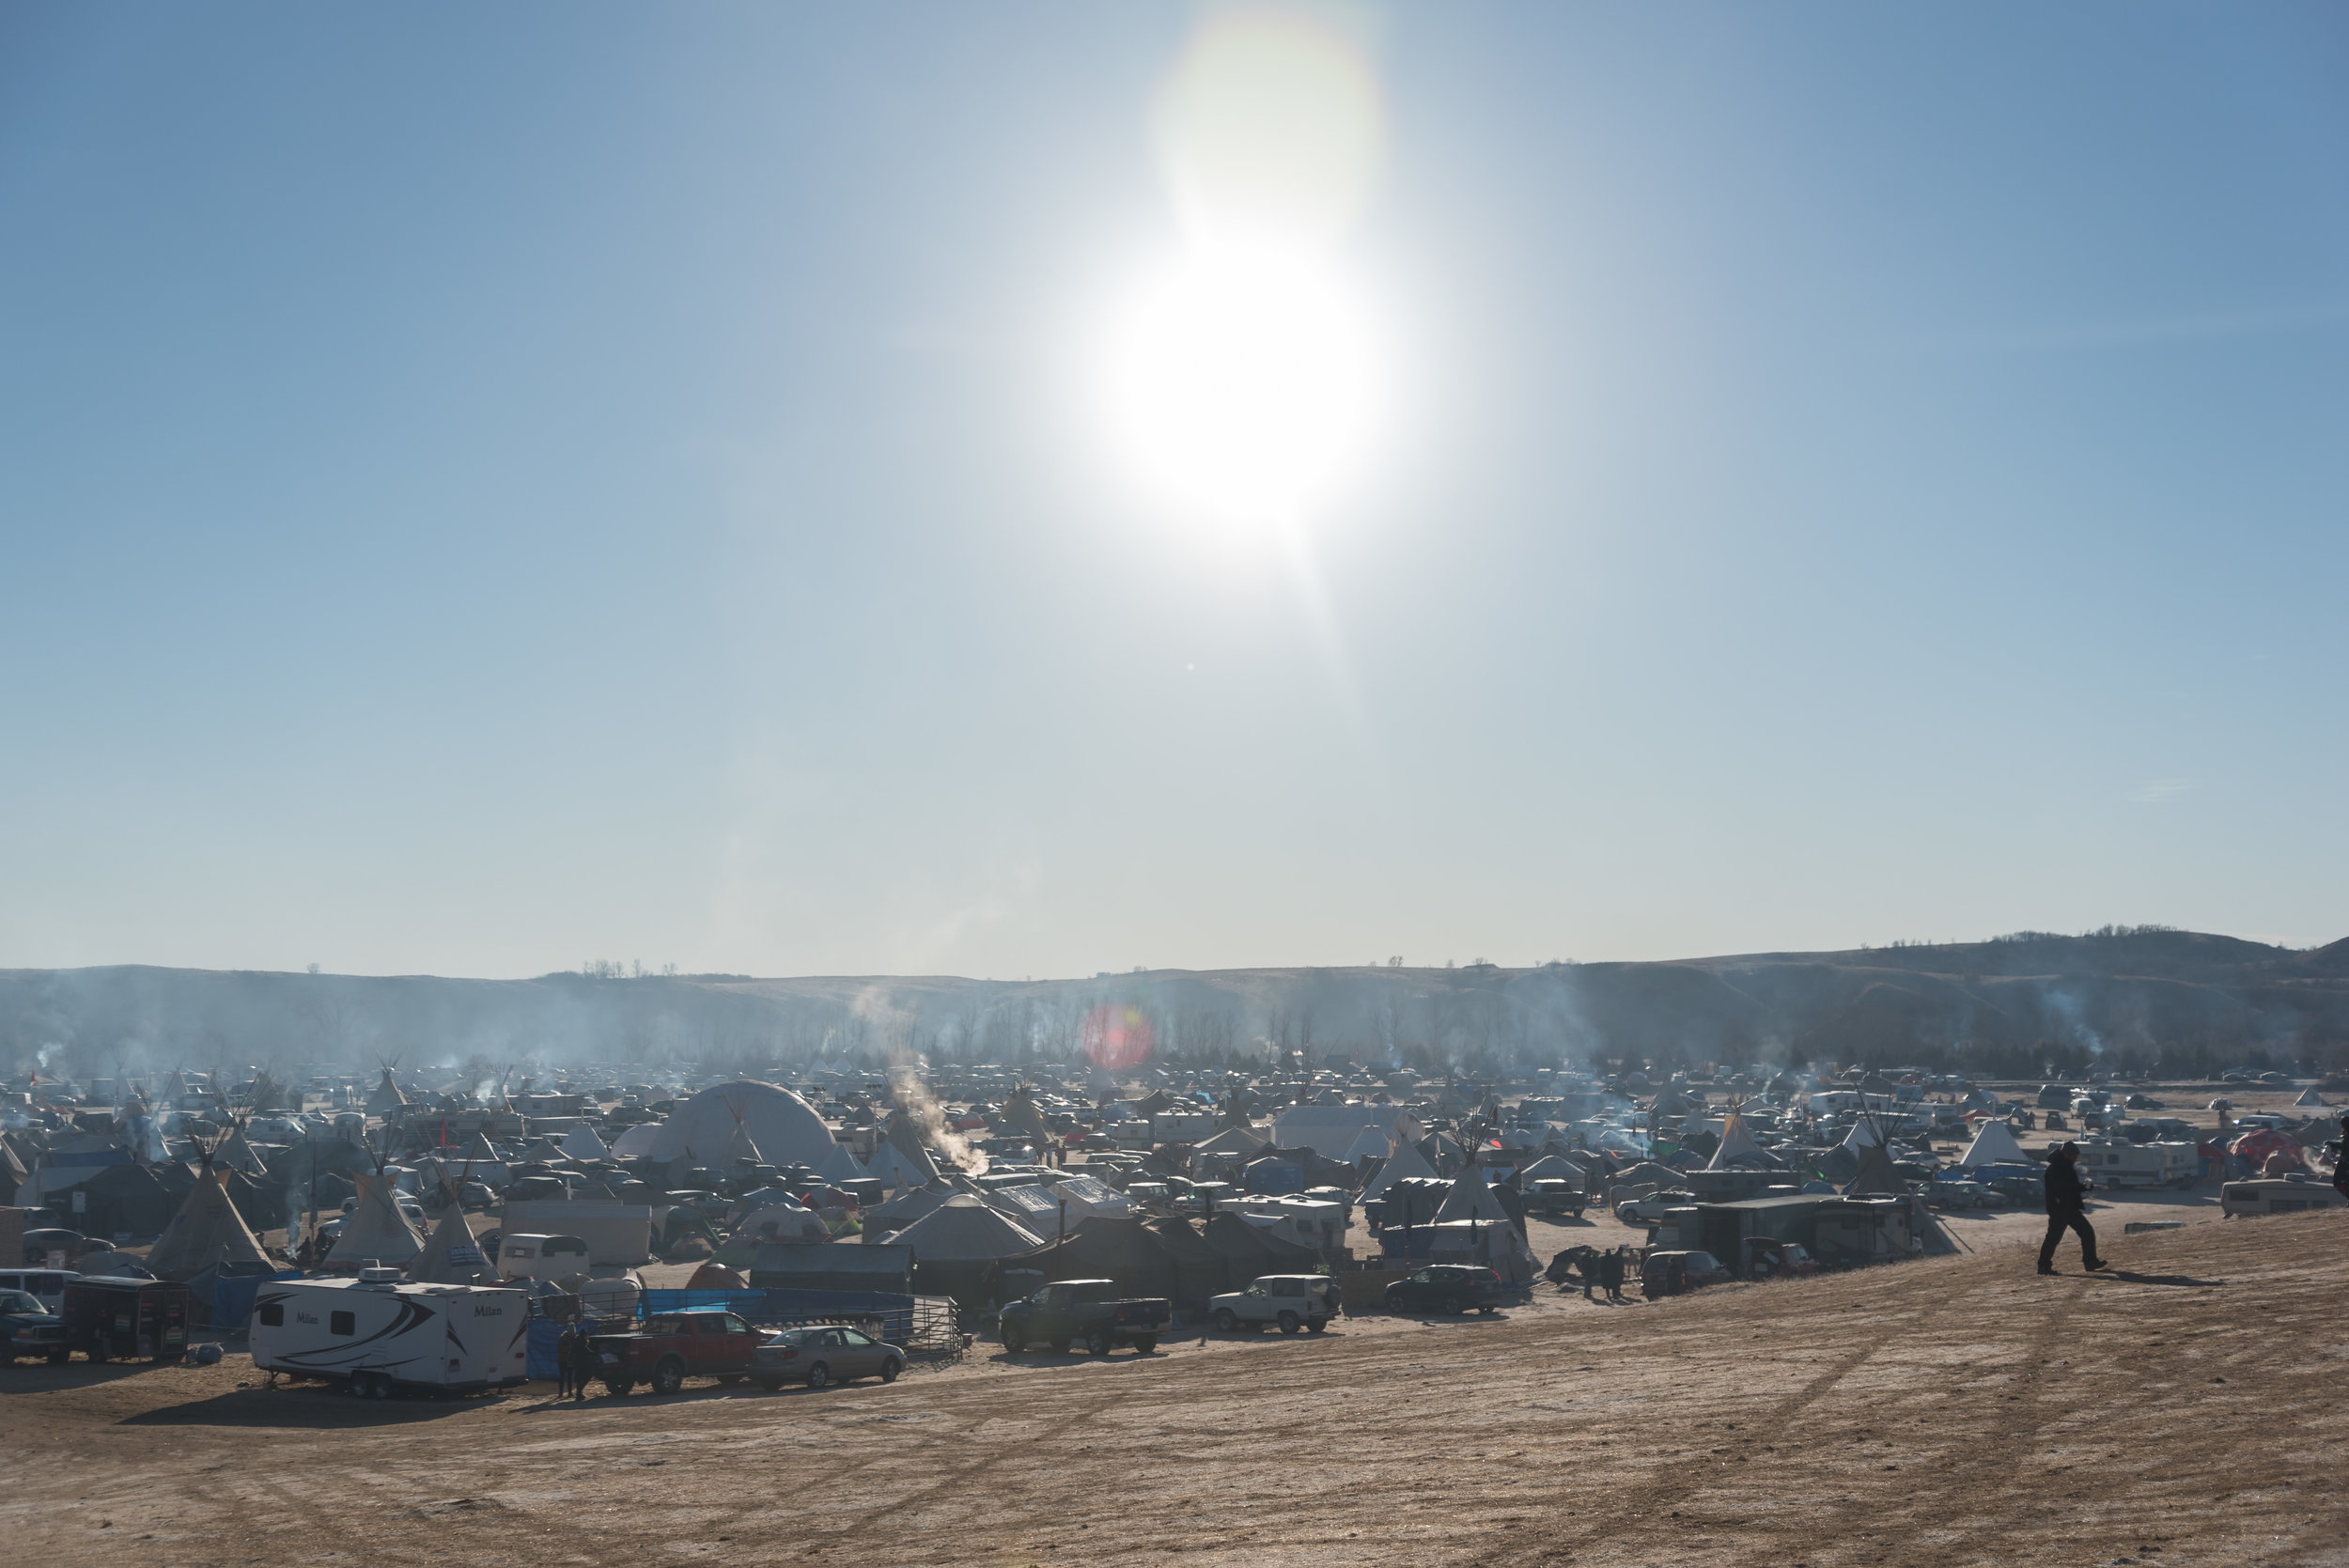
x=2115 y=1162
x=374 y=1334
x=46 y=1285
x=541 y=1257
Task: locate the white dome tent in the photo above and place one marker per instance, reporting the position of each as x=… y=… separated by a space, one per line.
x=782 y=1127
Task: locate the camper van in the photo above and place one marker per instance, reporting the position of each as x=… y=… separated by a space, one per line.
x=376 y=1335
x=541 y=1257
x=2277 y=1195
x=2116 y=1162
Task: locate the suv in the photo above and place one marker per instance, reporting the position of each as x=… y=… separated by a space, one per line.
x=1293 y=1301
x=1446 y=1287
x=29 y=1329
x=672 y=1346
x=1669 y=1273
x=1093 y=1310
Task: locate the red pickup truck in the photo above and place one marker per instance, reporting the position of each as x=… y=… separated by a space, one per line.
x=673 y=1346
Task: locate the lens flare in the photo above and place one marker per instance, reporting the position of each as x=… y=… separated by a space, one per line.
x=1116 y=1038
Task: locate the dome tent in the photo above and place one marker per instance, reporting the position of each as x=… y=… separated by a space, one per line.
x=781 y=1126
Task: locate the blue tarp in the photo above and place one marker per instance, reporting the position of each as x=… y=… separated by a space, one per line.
x=233 y=1294
x=781 y=1308
x=544 y=1334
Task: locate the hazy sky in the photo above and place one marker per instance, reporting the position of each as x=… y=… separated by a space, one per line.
x=485 y=488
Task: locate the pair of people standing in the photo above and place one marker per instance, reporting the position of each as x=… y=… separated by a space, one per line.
x=574 y=1362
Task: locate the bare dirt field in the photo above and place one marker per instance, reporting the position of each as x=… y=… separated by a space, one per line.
x=2183 y=1408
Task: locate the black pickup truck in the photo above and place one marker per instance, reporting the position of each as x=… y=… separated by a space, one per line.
x=1090 y=1312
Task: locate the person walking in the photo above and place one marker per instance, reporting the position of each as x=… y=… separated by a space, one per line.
x=2067 y=1195
x=563 y=1345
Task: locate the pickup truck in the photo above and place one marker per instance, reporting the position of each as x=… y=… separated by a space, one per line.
x=1090 y=1311
x=673 y=1346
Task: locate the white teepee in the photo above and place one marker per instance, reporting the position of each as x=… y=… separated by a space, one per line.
x=207 y=1231
x=582 y=1143
x=1471 y=1198
x=1408 y=1161
x=1735 y=1141
x=1994 y=1145
x=374 y=1231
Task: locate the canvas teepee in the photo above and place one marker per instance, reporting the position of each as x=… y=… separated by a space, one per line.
x=1876 y=1177
x=582 y=1143
x=1471 y=1198
x=905 y=1136
x=840 y=1166
x=452 y=1256
x=1408 y=1161
x=374 y=1231
x=1992 y=1145
x=1735 y=1141
x=207 y=1233
x=385 y=1097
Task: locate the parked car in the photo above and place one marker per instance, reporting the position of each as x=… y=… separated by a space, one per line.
x=1650 y=1210
x=1669 y=1273
x=1765 y=1258
x=819 y=1357
x=1291 y=1301
x=29 y=1329
x=673 y=1346
x=1091 y=1310
x=1446 y=1287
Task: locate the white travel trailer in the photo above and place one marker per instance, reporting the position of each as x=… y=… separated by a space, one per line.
x=2292 y=1194
x=2117 y=1162
x=375 y=1334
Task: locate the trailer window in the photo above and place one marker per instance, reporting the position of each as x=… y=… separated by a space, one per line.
x=273 y=1316
x=340 y=1323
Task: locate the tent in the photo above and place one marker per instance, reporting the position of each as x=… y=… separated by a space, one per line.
x=1408 y=1161
x=2310 y=1096
x=780 y=1222
x=236 y=1154
x=1329 y=1130
x=1737 y=1143
x=1552 y=1168
x=839 y=1166
x=1864 y=1134
x=1372 y=1144
x=1994 y=1145
x=385 y=1097
x=903 y=1209
x=889 y=1167
x=374 y=1231
x=905 y=1137
x=206 y=1232
x=582 y=1143
x=1471 y=1198
x=1876 y=1177
x=637 y=1141
x=1125 y=1251
x=1240 y=1141
x=773 y=1122
x=964 y=1229
x=452 y=1256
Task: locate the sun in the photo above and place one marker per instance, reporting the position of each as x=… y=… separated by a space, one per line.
x=1242 y=383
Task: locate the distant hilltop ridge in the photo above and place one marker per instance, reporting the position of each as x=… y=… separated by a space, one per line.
x=2179 y=1003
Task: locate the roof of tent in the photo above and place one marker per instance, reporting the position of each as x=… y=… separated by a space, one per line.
x=1875 y=1176
x=1331 y=1129
x=2310 y=1096
x=1994 y=1145
x=637 y=1143
x=889 y=1167
x=581 y=1142
x=1551 y=1167
x=1233 y=1140
x=964 y=1229
x=386 y=1096
x=1408 y=1161
x=781 y=1125
x=1471 y=1198
x=1372 y=1144
x=905 y=1137
x=906 y=1207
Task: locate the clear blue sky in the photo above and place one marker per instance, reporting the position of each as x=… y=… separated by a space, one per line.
x=484 y=487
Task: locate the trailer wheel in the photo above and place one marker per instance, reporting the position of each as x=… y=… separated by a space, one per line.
x=379 y=1385
x=669 y=1376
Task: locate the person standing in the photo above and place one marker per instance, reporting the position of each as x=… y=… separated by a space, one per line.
x=2341 y=1164
x=582 y=1362
x=2067 y=1197
x=1611 y=1273
x=563 y=1360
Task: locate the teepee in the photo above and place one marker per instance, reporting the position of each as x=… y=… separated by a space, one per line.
x=1876 y=1177
x=1735 y=1141
x=582 y=1143
x=452 y=1256
x=374 y=1231
x=905 y=1137
x=1370 y=1144
x=839 y=1166
x=1408 y=1161
x=207 y=1233
x=385 y=1097
x=1471 y=1198
x=1992 y=1145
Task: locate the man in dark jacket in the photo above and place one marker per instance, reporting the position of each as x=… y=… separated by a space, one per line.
x=1611 y=1273
x=2340 y=1165
x=2066 y=1196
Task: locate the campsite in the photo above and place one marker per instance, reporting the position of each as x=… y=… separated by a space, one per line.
x=1821 y=1335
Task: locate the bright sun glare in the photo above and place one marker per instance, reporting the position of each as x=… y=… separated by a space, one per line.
x=1242 y=376
x=1243 y=383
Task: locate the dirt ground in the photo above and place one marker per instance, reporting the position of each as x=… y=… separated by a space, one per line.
x=2181 y=1408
